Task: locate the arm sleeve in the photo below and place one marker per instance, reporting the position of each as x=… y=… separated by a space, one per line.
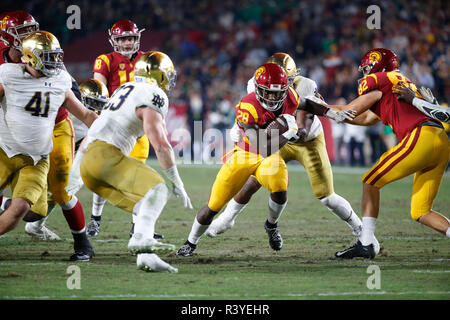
x=434 y=111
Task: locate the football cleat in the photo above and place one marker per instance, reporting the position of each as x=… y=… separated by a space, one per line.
x=219 y=226
x=138 y=244
x=357 y=251
x=187 y=249
x=41 y=232
x=83 y=253
x=156 y=236
x=275 y=239
x=93 y=228
x=151 y=262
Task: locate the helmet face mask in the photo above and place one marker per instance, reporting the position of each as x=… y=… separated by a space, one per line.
x=271 y=86
x=94 y=94
x=156 y=67
x=41 y=51
x=378 y=60
x=120 y=35
x=15 y=26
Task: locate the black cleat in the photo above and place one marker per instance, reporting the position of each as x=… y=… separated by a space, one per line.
x=357 y=250
x=82 y=256
x=275 y=239
x=156 y=236
x=93 y=228
x=132 y=230
x=82 y=247
x=187 y=249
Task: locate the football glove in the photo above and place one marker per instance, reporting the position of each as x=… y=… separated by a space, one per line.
x=291 y=133
x=340 y=116
x=235 y=133
x=177 y=186
x=427 y=94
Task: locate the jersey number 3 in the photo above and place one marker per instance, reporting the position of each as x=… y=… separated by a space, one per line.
x=35 y=105
x=113 y=106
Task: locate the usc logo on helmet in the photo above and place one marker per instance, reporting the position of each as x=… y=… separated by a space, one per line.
x=259 y=71
x=3 y=23
x=375 y=56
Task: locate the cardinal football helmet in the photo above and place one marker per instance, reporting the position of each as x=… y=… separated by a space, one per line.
x=156 y=67
x=125 y=28
x=378 y=60
x=271 y=86
x=15 y=26
x=41 y=51
x=94 y=94
x=286 y=62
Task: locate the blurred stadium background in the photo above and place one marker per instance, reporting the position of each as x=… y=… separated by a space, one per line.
x=217 y=45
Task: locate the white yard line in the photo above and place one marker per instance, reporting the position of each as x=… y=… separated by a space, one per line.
x=187 y=295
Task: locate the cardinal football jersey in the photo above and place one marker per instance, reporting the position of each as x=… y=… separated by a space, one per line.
x=250 y=111
x=29 y=106
x=116 y=68
x=118 y=123
x=304 y=87
x=401 y=116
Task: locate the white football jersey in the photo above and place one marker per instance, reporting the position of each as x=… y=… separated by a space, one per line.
x=118 y=123
x=29 y=109
x=304 y=87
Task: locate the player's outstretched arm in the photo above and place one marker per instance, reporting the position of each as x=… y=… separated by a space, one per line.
x=432 y=110
x=76 y=108
x=155 y=129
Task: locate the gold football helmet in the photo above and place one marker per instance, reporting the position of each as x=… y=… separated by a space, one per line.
x=41 y=51
x=94 y=94
x=287 y=63
x=157 y=68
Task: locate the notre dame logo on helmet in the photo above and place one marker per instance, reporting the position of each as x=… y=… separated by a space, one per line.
x=158 y=100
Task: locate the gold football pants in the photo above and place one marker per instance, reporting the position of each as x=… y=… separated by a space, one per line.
x=120 y=179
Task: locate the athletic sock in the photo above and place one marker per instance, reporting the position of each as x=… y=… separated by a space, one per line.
x=275 y=211
x=448 y=233
x=97 y=205
x=232 y=210
x=73 y=212
x=150 y=208
x=368 y=230
x=197 y=231
x=342 y=208
x=3 y=205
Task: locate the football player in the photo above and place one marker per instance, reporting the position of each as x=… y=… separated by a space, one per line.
x=114 y=69
x=136 y=108
x=256 y=154
x=32 y=93
x=14 y=27
x=423 y=149
x=309 y=150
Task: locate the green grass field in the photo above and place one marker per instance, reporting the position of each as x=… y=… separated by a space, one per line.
x=414 y=262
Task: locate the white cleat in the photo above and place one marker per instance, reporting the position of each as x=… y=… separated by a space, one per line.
x=151 y=262
x=219 y=226
x=138 y=244
x=41 y=232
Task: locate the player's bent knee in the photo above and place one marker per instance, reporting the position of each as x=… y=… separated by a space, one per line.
x=417 y=214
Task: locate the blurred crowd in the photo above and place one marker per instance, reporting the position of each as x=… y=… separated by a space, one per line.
x=228 y=40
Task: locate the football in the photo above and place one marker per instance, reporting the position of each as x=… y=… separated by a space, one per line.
x=277 y=126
